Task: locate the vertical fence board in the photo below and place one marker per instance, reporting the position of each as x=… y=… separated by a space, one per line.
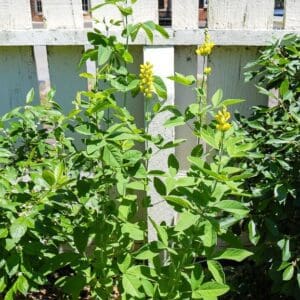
x=106 y=12
x=185 y=14
x=145 y=10
x=15 y=14
x=63 y=14
x=41 y=61
x=292 y=14
x=240 y=14
x=64 y=73
x=185 y=63
x=228 y=62
x=228 y=67
x=17 y=76
x=136 y=105
x=163 y=60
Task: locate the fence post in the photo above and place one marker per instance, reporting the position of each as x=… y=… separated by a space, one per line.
x=163 y=60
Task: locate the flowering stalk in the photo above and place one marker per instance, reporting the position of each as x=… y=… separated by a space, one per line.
x=204 y=50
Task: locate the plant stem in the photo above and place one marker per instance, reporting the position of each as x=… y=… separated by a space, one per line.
x=219 y=157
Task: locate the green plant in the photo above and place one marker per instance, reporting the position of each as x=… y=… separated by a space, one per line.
x=69 y=205
x=275 y=219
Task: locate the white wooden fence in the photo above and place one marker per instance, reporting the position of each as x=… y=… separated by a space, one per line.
x=30 y=56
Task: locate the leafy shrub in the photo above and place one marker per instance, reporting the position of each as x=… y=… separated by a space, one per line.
x=71 y=208
x=275 y=215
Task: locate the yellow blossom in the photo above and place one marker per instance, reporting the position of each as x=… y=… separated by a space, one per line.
x=207 y=70
x=146 y=79
x=206 y=48
x=222 y=118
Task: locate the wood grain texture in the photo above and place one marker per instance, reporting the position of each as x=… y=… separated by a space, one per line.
x=185 y=14
x=238 y=14
x=292 y=14
x=17 y=77
x=227 y=65
x=185 y=63
x=15 y=14
x=64 y=74
x=63 y=14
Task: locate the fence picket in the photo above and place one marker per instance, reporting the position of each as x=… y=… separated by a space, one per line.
x=63 y=14
x=163 y=60
x=292 y=14
x=15 y=14
x=185 y=14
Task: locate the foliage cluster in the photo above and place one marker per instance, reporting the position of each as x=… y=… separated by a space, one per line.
x=275 y=216
x=72 y=185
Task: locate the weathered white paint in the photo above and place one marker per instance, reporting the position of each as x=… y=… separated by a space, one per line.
x=292 y=14
x=64 y=73
x=177 y=37
x=163 y=60
x=63 y=14
x=145 y=10
x=228 y=74
x=185 y=14
x=106 y=12
x=237 y=14
x=17 y=76
x=185 y=63
x=41 y=62
x=15 y=14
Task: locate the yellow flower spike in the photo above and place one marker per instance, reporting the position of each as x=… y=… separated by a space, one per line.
x=206 y=48
x=222 y=118
x=146 y=79
x=207 y=70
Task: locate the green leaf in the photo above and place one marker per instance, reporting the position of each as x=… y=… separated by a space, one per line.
x=112 y=156
x=125 y=264
x=178 y=201
x=161 y=232
x=160 y=87
x=162 y=31
x=125 y=11
x=18 y=228
x=216 y=270
x=174 y=121
x=209 y=237
x=229 y=102
x=131 y=285
x=210 y=289
x=216 y=98
x=146 y=254
x=3 y=233
x=104 y=53
x=182 y=79
x=233 y=254
x=30 y=96
x=186 y=220
x=22 y=285
x=48 y=176
x=288 y=273
x=159 y=186
x=253 y=234
x=2 y=284
x=232 y=206
x=209 y=137
x=127 y=57
x=286 y=253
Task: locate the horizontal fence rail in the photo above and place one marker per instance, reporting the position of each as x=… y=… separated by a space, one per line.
x=43 y=51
